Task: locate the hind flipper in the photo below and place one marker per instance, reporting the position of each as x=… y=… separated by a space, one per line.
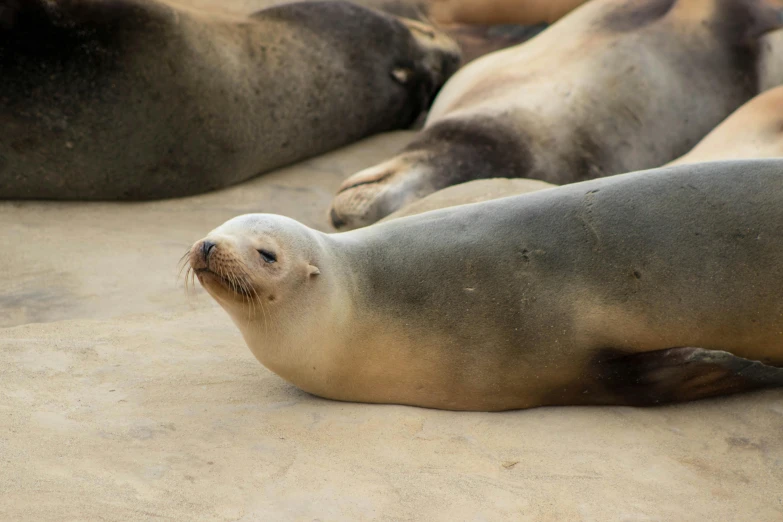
x=678 y=374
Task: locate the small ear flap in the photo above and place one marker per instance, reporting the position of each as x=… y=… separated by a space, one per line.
x=402 y=74
x=313 y=270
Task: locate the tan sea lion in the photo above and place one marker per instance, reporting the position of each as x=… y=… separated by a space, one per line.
x=137 y=99
x=753 y=131
x=637 y=84
x=470 y=192
x=636 y=289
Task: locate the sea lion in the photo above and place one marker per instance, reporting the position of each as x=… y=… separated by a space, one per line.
x=636 y=289
x=637 y=84
x=478 y=31
x=470 y=192
x=469 y=28
x=495 y=12
x=135 y=99
x=755 y=130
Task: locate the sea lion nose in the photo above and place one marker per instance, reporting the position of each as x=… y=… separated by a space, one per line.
x=206 y=248
x=337 y=221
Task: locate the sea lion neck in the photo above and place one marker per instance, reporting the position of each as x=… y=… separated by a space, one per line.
x=399 y=267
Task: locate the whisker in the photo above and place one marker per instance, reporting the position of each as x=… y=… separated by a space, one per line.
x=186 y=277
x=184 y=257
x=184 y=267
x=238 y=280
x=190 y=282
x=254 y=298
x=234 y=283
x=263 y=310
x=183 y=263
x=248 y=291
x=222 y=274
x=247 y=296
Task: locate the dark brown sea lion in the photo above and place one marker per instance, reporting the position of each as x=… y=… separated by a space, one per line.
x=137 y=99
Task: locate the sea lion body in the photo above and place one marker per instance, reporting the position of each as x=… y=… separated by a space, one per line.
x=135 y=99
x=478 y=27
x=615 y=86
x=470 y=192
x=754 y=131
x=636 y=289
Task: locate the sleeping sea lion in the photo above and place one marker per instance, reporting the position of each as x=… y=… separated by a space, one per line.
x=635 y=289
x=137 y=99
x=615 y=86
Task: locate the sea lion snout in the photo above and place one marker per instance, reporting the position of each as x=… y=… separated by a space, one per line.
x=220 y=267
x=337 y=221
x=206 y=248
x=199 y=254
x=373 y=193
x=210 y=254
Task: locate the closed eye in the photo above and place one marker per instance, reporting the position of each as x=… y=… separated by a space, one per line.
x=268 y=256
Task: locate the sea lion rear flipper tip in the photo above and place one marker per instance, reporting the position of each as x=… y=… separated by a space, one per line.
x=681 y=374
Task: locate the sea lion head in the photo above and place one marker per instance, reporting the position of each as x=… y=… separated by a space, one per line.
x=254 y=264
x=436 y=57
x=284 y=288
x=398 y=64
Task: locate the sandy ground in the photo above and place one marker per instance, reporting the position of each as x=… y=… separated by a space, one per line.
x=121 y=398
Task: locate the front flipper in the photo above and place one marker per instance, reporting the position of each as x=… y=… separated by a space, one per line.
x=677 y=375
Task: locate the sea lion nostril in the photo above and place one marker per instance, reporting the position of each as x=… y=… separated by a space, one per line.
x=337 y=221
x=206 y=248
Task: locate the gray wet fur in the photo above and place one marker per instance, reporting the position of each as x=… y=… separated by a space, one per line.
x=135 y=99
x=678 y=374
x=691 y=255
